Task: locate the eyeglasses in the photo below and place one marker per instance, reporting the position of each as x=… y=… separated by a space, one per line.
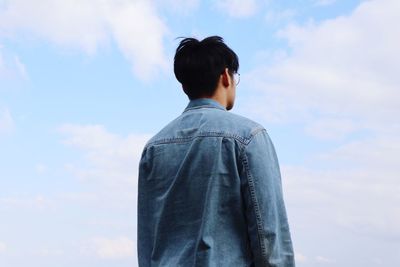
x=236 y=76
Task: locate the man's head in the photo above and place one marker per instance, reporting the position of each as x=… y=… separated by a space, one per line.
x=203 y=66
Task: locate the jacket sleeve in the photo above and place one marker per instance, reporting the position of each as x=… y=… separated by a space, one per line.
x=266 y=217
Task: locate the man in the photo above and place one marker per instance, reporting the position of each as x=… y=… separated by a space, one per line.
x=209 y=182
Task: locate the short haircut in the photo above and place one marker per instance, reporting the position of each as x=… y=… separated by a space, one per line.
x=199 y=64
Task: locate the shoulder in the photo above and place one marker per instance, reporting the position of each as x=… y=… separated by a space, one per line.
x=208 y=122
x=240 y=125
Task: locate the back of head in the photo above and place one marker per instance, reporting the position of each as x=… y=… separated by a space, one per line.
x=199 y=64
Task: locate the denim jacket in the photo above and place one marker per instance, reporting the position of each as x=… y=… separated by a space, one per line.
x=210 y=194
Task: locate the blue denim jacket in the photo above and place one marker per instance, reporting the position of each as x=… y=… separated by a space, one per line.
x=210 y=194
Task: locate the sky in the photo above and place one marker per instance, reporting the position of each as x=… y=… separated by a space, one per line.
x=84 y=85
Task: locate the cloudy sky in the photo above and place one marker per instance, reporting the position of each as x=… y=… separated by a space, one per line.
x=84 y=84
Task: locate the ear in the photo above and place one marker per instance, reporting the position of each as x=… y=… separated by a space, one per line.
x=226 y=78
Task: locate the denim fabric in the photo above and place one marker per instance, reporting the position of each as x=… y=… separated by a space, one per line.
x=210 y=194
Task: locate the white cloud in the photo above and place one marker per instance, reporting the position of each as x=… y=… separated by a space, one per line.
x=339 y=81
x=110 y=164
x=139 y=33
x=380 y=152
x=11 y=66
x=133 y=25
x=110 y=159
x=331 y=129
x=20 y=67
x=359 y=194
x=237 y=8
x=105 y=248
x=63 y=22
x=341 y=68
x=6 y=121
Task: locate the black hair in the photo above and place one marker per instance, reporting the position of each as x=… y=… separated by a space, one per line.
x=199 y=64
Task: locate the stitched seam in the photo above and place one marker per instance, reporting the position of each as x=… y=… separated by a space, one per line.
x=175 y=140
x=256 y=208
x=199 y=107
x=205 y=209
x=250 y=180
x=242 y=140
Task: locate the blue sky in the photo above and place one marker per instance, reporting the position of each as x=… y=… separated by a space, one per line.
x=84 y=84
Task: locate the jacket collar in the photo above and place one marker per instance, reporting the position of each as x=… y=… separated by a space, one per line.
x=203 y=103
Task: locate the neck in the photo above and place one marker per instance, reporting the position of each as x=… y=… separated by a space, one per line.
x=220 y=100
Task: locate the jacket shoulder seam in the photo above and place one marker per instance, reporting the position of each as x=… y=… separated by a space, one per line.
x=243 y=140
